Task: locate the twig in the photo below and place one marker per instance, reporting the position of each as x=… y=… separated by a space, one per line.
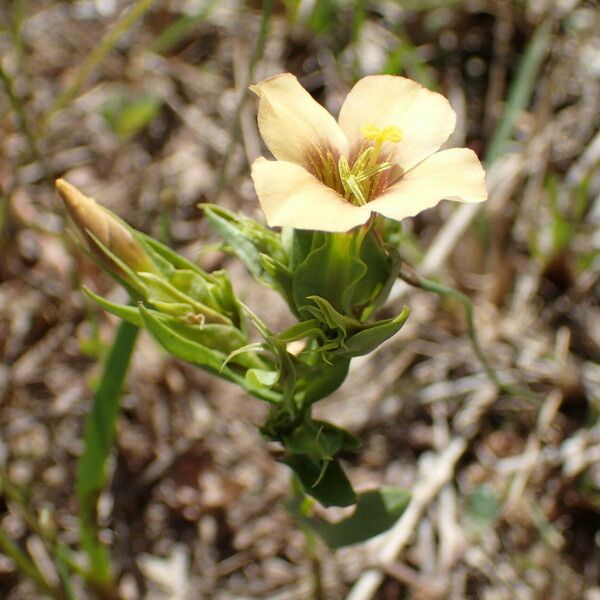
x=434 y=476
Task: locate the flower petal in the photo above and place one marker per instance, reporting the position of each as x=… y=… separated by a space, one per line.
x=292 y=123
x=425 y=118
x=454 y=174
x=290 y=196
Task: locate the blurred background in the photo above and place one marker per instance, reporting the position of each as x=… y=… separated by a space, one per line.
x=145 y=106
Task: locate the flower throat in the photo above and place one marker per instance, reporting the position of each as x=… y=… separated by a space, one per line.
x=359 y=182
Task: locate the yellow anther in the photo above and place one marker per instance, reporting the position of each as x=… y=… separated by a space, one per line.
x=390 y=133
x=372 y=132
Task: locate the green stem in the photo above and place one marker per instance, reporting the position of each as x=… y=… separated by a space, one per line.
x=412 y=278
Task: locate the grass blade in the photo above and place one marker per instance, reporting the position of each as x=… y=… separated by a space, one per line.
x=96 y=56
x=28 y=567
x=520 y=91
x=98 y=439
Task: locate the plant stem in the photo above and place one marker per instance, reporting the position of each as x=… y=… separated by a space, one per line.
x=408 y=275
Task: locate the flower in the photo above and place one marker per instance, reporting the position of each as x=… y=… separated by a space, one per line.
x=382 y=155
x=102 y=230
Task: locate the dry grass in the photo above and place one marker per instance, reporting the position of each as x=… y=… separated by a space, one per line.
x=506 y=487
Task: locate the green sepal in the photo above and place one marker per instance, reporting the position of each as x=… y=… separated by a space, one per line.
x=183 y=348
x=388 y=278
x=370 y=286
x=331 y=270
x=128 y=313
x=161 y=290
x=195 y=353
x=211 y=289
x=215 y=336
x=301 y=331
x=116 y=268
x=319 y=440
x=320 y=381
x=331 y=317
x=299 y=243
x=169 y=257
x=325 y=481
x=262 y=377
x=278 y=277
x=175 y=309
x=368 y=339
x=376 y=511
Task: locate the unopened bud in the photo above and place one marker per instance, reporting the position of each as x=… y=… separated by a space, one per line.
x=97 y=223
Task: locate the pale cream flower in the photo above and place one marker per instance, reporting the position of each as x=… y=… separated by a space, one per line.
x=380 y=156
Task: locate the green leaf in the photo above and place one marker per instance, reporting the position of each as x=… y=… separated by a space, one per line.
x=127 y=117
x=246 y=238
x=174 y=33
x=325 y=482
x=99 y=430
x=376 y=511
x=368 y=339
x=348 y=441
x=239 y=243
x=315 y=441
x=483 y=508
x=319 y=440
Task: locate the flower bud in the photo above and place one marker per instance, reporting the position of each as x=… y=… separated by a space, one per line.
x=103 y=231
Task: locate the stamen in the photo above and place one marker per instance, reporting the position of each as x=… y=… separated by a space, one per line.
x=363 y=160
x=374 y=170
x=359 y=183
x=352 y=186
